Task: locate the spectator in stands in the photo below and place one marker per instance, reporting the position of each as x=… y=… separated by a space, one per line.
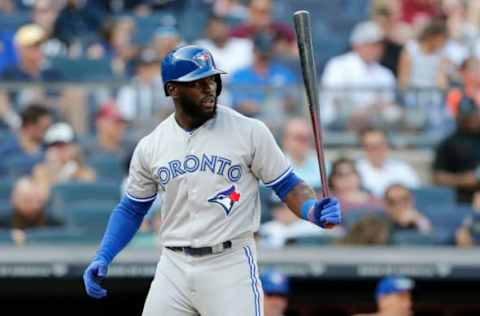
x=233 y=10
x=7 y=7
x=297 y=145
x=468 y=234
x=401 y=210
x=261 y=21
x=467 y=88
x=28 y=40
x=419 y=12
x=345 y=184
x=28 y=205
x=164 y=40
x=275 y=288
x=367 y=231
x=287 y=227
x=109 y=140
x=457 y=158
x=393 y=296
x=44 y=14
x=462 y=32
x=422 y=64
x=63 y=160
x=26 y=145
x=377 y=169
x=77 y=23
x=143 y=102
x=358 y=90
x=392 y=45
x=230 y=53
x=270 y=99
x=116 y=44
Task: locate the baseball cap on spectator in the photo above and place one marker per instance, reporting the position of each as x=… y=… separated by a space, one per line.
x=392 y=285
x=59 y=133
x=30 y=35
x=367 y=32
x=109 y=110
x=274 y=283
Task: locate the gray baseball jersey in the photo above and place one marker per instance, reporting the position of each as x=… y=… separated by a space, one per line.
x=207 y=178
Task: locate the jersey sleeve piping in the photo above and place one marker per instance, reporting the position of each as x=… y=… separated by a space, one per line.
x=279 y=178
x=136 y=199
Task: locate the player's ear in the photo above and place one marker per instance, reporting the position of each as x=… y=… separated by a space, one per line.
x=172 y=90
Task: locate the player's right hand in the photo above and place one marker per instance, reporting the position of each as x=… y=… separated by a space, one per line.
x=93 y=275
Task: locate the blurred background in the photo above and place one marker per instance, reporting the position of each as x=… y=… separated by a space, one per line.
x=399 y=84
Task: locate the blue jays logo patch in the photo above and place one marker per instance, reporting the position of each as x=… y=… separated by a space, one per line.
x=226 y=199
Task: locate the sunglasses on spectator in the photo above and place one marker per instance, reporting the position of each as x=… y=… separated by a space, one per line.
x=399 y=199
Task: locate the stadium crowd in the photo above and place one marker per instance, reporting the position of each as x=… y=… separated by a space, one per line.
x=80 y=84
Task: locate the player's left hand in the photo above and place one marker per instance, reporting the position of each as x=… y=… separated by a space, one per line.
x=326 y=212
x=92 y=277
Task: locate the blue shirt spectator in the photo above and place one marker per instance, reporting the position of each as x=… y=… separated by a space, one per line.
x=263 y=81
x=25 y=148
x=7 y=51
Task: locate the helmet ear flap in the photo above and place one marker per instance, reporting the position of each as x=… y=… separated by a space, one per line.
x=218 y=79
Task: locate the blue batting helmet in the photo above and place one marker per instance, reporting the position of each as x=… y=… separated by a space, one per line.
x=274 y=283
x=189 y=63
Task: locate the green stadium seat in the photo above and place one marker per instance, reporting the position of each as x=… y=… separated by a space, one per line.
x=6 y=187
x=107 y=168
x=312 y=240
x=92 y=216
x=434 y=195
x=70 y=194
x=83 y=69
x=412 y=237
x=5 y=237
x=57 y=235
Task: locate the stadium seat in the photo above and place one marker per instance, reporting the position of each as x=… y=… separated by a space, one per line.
x=91 y=217
x=6 y=187
x=83 y=69
x=5 y=212
x=311 y=240
x=433 y=195
x=107 y=168
x=67 y=195
x=5 y=237
x=57 y=235
x=412 y=237
x=11 y=22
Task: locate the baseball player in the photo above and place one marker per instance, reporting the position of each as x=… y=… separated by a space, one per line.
x=205 y=162
x=393 y=295
x=275 y=288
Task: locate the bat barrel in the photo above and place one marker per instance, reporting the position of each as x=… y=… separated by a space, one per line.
x=305 y=45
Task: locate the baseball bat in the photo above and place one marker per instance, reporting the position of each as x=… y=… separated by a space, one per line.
x=303 y=29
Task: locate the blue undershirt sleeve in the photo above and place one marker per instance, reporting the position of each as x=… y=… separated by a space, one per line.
x=124 y=222
x=283 y=187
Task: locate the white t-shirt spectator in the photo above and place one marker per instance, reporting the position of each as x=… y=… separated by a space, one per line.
x=371 y=83
x=425 y=67
x=236 y=54
x=377 y=180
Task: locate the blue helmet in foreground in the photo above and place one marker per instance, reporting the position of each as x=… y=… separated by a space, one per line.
x=274 y=283
x=189 y=63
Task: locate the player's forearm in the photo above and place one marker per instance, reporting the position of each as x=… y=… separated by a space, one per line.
x=296 y=198
x=122 y=226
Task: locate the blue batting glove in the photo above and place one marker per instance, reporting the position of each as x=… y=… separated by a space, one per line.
x=93 y=275
x=324 y=213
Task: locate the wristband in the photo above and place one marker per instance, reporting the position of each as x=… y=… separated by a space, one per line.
x=307 y=205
